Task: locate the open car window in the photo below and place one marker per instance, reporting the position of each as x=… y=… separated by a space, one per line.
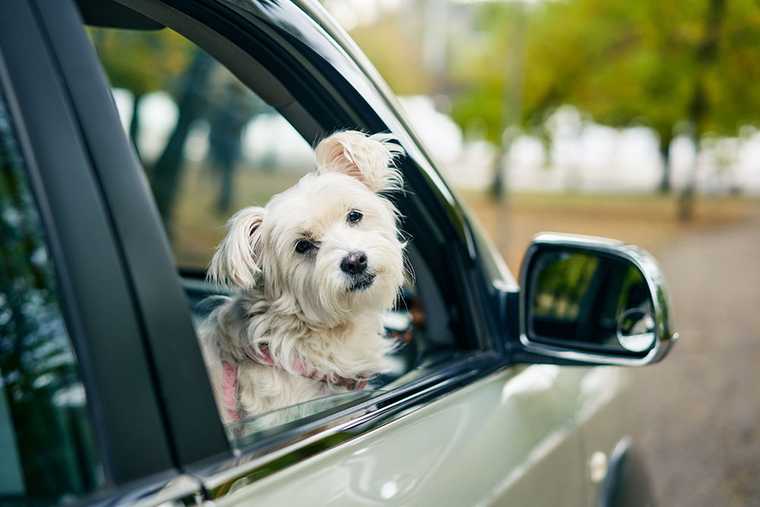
x=210 y=145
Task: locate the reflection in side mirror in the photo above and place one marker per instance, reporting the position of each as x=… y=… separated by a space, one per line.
x=635 y=330
x=593 y=300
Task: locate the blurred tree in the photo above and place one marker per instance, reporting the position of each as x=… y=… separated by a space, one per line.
x=191 y=98
x=141 y=62
x=480 y=70
x=231 y=107
x=148 y=61
x=623 y=63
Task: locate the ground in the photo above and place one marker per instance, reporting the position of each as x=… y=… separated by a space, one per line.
x=698 y=412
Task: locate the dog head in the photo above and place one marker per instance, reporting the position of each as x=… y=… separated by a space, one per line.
x=327 y=247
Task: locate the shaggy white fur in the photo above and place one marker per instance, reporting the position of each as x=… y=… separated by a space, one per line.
x=314 y=270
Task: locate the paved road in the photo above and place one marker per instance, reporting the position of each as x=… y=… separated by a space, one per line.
x=699 y=411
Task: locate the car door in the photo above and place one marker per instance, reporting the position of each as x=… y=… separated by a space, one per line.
x=464 y=428
x=503 y=440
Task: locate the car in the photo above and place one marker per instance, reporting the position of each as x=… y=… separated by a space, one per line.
x=504 y=393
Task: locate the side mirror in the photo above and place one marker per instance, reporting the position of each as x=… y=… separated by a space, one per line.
x=590 y=300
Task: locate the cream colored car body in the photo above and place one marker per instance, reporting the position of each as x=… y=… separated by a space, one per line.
x=521 y=437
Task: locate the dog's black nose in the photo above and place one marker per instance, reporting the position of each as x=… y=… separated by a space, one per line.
x=355 y=263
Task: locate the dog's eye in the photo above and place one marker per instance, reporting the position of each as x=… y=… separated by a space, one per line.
x=304 y=245
x=354 y=216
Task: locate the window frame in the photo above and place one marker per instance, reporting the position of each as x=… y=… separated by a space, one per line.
x=339 y=96
x=341 y=88
x=95 y=298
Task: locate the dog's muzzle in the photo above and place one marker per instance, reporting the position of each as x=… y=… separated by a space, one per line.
x=361 y=282
x=355 y=266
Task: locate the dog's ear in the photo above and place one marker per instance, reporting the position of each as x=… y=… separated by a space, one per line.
x=237 y=258
x=369 y=159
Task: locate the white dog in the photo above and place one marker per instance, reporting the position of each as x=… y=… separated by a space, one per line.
x=315 y=269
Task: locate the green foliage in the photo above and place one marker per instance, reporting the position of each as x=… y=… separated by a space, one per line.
x=141 y=61
x=479 y=71
x=620 y=62
x=396 y=52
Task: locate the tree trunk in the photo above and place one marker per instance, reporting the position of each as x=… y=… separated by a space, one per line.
x=665 y=185
x=191 y=102
x=134 y=124
x=687 y=196
x=496 y=189
x=512 y=106
x=706 y=56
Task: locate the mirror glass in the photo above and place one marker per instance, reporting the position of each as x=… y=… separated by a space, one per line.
x=591 y=300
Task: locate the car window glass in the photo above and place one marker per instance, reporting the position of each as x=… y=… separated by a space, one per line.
x=247 y=431
x=47 y=447
x=211 y=146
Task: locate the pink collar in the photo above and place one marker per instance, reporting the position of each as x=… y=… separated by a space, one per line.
x=230 y=391
x=263 y=356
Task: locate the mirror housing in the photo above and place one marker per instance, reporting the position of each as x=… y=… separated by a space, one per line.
x=588 y=300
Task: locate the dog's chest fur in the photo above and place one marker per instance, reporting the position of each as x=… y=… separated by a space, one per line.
x=355 y=349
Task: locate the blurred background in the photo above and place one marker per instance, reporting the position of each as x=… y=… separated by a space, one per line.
x=636 y=120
